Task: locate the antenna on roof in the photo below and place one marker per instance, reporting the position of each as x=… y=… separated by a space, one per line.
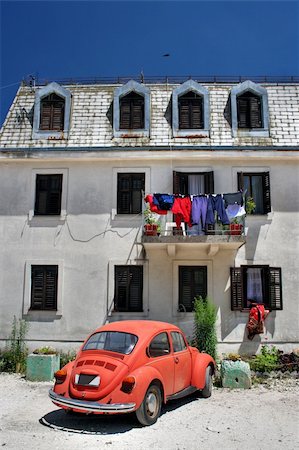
x=142 y=76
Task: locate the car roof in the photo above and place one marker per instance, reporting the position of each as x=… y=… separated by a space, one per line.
x=138 y=327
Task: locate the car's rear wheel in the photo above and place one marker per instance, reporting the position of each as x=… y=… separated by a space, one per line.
x=207 y=390
x=150 y=408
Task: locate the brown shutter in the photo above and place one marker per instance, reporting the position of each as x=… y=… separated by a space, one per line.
x=58 y=116
x=176 y=182
x=275 y=288
x=236 y=288
x=193 y=283
x=45 y=117
x=242 y=107
x=44 y=287
x=48 y=194
x=125 y=114
x=136 y=288
x=52 y=113
x=266 y=192
x=197 y=114
x=184 y=114
x=209 y=182
x=240 y=181
x=128 y=288
x=131 y=112
x=255 y=112
x=137 y=114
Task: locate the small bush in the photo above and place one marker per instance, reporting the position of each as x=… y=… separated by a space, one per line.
x=66 y=357
x=45 y=351
x=205 y=315
x=266 y=360
x=13 y=358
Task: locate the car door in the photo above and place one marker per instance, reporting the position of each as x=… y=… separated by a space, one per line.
x=161 y=358
x=182 y=362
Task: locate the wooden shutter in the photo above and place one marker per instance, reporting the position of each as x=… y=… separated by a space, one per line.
x=266 y=192
x=236 y=288
x=125 y=114
x=197 y=114
x=58 y=116
x=52 y=113
x=131 y=112
x=128 y=288
x=45 y=116
x=275 y=288
x=255 y=112
x=242 y=106
x=209 y=182
x=137 y=114
x=44 y=287
x=129 y=192
x=48 y=194
x=193 y=282
x=190 y=111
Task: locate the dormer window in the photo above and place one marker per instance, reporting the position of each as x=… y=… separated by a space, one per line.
x=52 y=108
x=249 y=108
x=190 y=111
x=131 y=109
x=52 y=113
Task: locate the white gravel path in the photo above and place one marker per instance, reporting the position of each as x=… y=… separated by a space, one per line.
x=228 y=420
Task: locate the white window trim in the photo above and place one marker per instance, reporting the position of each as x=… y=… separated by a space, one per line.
x=51 y=88
x=175 y=277
x=115 y=172
x=110 y=293
x=58 y=171
x=27 y=286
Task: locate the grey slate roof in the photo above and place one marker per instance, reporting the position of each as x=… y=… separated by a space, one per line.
x=91 y=126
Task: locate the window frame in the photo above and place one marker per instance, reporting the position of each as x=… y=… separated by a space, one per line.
x=191 y=284
x=161 y=354
x=49 y=192
x=191 y=86
x=45 y=270
x=51 y=88
x=122 y=91
x=131 y=100
x=272 y=280
x=130 y=269
x=266 y=188
x=130 y=176
x=242 y=88
x=178 y=176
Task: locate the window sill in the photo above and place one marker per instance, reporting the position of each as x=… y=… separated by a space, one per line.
x=50 y=135
x=42 y=315
x=131 y=134
x=46 y=220
x=258 y=133
x=191 y=134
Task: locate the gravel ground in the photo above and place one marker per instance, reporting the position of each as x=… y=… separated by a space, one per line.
x=228 y=420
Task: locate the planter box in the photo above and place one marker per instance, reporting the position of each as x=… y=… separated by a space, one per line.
x=150 y=230
x=42 y=367
x=236 y=228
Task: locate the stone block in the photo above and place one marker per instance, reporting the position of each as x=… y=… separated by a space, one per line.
x=42 y=367
x=235 y=374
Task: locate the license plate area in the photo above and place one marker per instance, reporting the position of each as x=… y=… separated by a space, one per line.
x=84 y=379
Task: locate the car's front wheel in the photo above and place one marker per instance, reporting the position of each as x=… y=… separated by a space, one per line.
x=150 y=408
x=207 y=390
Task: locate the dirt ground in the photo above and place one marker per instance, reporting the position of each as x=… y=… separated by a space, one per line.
x=264 y=417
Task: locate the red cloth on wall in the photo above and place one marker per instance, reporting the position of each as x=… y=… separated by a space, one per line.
x=257 y=316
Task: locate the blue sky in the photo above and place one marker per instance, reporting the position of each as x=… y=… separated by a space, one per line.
x=59 y=39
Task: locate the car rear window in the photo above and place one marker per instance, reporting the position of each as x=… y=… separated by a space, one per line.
x=113 y=341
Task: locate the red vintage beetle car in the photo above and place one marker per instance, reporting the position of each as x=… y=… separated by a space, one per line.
x=130 y=366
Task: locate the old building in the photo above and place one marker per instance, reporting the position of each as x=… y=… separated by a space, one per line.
x=76 y=161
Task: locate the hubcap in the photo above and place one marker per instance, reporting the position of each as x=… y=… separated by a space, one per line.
x=151 y=403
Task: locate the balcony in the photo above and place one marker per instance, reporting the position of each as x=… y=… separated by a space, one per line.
x=161 y=231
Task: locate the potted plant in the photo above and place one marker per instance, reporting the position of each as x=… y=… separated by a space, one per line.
x=235 y=227
x=250 y=205
x=151 y=226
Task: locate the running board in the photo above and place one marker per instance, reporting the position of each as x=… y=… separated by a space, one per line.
x=187 y=391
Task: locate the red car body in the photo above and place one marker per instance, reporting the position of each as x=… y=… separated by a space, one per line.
x=132 y=366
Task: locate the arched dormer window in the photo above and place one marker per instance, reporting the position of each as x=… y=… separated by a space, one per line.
x=249 y=110
x=190 y=110
x=131 y=110
x=51 y=112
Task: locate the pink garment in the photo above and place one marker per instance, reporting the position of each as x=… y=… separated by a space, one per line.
x=182 y=210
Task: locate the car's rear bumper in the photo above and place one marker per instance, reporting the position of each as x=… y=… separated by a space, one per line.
x=87 y=406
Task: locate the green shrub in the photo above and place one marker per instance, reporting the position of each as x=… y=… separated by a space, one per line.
x=66 y=357
x=13 y=358
x=205 y=315
x=266 y=360
x=45 y=351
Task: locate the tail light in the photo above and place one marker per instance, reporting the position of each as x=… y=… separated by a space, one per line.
x=60 y=376
x=128 y=385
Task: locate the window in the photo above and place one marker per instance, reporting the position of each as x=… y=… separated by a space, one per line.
x=131 y=112
x=192 y=282
x=259 y=283
x=193 y=183
x=257 y=186
x=128 y=290
x=159 y=346
x=52 y=109
x=112 y=341
x=129 y=192
x=249 y=110
x=52 y=113
x=48 y=192
x=178 y=342
x=190 y=111
x=44 y=287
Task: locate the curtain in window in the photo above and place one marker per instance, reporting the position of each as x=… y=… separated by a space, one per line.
x=196 y=184
x=254 y=285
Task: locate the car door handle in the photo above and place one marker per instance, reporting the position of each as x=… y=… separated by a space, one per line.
x=176 y=360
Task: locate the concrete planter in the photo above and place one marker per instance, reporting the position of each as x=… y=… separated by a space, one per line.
x=235 y=374
x=42 y=367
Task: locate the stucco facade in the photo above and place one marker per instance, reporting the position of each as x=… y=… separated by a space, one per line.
x=89 y=238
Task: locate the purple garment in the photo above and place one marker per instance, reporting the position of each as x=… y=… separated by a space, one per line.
x=216 y=203
x=199 y=210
